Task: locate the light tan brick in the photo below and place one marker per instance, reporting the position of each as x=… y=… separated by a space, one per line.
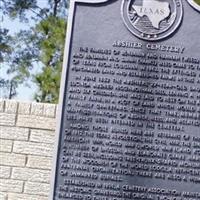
x=2 y=104
x=32 y=175
x=14 y=133
x=49 y=110
x=3 y=196
x=5 y=172
x=6 y=145
x=7 y=185
x=37 y=122
x=15 y=196
x=7 y=119
x=57 y=110
x=37 y=188
x=11 y=106
x=37 y=109
x=33 y=148
x=42 y=136
x=39 y=162
x=24 y=108
x=8 y=159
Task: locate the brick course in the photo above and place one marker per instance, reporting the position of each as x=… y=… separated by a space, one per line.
x=27 y=132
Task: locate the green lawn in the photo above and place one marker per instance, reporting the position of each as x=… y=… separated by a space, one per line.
x=197 y=1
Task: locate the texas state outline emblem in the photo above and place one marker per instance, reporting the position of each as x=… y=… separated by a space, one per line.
x=152 y=19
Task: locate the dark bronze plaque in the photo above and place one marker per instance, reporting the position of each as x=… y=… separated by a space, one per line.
x=129 y=124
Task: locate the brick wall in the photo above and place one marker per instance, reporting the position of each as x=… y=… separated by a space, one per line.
x=26 y=146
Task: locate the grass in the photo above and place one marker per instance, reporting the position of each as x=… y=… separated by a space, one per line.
x=197 y=1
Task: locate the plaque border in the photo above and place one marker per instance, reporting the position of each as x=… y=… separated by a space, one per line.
x=65 y=67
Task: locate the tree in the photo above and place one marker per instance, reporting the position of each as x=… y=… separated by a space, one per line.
x=39 y=47
x=7 y=88
x=52 y=48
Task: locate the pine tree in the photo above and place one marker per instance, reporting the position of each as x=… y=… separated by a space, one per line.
x=40 y=47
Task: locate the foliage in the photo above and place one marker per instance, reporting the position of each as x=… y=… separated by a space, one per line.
x=52 y=48
x=7 y=88
x=197 y=1
x=4 y=44
x=37 y=53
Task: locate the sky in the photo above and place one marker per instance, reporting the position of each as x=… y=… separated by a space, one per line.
x=24 y=93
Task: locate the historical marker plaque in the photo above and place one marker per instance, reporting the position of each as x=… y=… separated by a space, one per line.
x=129 y=123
